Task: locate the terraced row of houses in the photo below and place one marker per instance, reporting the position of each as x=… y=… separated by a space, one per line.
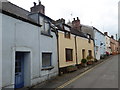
x=35 y=47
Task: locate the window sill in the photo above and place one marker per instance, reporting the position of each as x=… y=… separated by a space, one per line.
x=70 y=61
x=46 y=34
x=47 y=68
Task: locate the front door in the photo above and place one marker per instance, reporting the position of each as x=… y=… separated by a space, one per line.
x=19 y=70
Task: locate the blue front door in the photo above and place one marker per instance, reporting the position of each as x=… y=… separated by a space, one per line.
x=19 y=70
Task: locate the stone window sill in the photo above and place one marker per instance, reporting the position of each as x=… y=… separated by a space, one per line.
x=47 y=68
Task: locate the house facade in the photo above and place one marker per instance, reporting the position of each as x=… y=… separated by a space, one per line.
x=73 y=45
x=26 y=57
x=114 y=45
x=85 y=47
x=100 y=47
x=66 y=46
x=99 y=40
x=107 y=43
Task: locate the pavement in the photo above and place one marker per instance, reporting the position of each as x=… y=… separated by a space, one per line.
x=60 y=80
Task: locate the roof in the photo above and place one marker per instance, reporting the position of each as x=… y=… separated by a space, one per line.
x=17 y=12
x=78 y=33
x=73 y=31
x=98 y=31
x=87 y=26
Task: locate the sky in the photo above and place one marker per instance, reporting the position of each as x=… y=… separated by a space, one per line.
x=102 y=14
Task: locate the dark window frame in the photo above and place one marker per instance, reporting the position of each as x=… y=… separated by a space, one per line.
x=67 y=54
x=50 y=62
x=67 y=35
x=46 y=31
x=89 y=38
x=90 y=52
x=83 y=53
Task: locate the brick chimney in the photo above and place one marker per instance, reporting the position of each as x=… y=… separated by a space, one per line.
x=38 y=8
x=112 y=36
x=106 y=33
x=76 y=24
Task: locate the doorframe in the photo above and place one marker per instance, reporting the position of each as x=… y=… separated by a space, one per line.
x=25 y=50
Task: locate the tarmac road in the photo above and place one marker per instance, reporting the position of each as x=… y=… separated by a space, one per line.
x=104 y=75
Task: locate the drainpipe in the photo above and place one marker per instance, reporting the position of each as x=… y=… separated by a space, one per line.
x=94 y=48
x=58 y=51
x=39 y=44
x=76 y=50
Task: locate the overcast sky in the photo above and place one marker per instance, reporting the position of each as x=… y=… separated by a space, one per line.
x=102 y=14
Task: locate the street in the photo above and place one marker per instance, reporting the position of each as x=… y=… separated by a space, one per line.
x=104 y=75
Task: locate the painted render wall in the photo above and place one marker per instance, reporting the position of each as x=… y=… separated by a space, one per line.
x=66 y=43
x=18 y=34
x=114 y=46
x=82 y=43
x=47 y=44
x=99 y=38
x=107 y=43
x=22 y=36
x=0 y=51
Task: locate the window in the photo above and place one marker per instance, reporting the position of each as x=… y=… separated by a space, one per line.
x=89 y=38
x=45 y=26
x=96 y=48
x=83 y=53
x=89 y=52
x=67 y=34
x=69 y=55
x=46 y=59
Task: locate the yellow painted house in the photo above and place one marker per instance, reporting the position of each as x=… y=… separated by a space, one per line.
x=67 y=53
x=84 y=46
x=73 y=46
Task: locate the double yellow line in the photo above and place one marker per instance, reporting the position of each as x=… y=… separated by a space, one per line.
x=77 y=77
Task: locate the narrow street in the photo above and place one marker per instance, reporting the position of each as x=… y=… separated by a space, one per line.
x=104 y=75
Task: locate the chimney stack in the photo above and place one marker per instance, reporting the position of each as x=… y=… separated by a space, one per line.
x=76 y=24
x=38 y=8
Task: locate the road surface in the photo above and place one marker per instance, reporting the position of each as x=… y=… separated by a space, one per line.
x=104 y=75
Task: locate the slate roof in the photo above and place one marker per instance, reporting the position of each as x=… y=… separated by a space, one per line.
x=99 y=31
x=72 y=31
x=78 y=33
x=16 y=11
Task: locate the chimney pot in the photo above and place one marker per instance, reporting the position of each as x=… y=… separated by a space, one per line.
x=106 y=33
x=112 y=36
x=74 y=19
x=77 y=18
x=39 y=2
x=34 y=3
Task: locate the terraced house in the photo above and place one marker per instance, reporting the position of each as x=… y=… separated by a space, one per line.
x=29 y=52
x=107 y=43
x=114 y=45
x=73 y=45
x=99 y=40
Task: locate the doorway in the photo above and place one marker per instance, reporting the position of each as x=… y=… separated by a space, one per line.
x=83 y=53
x=22 y=69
